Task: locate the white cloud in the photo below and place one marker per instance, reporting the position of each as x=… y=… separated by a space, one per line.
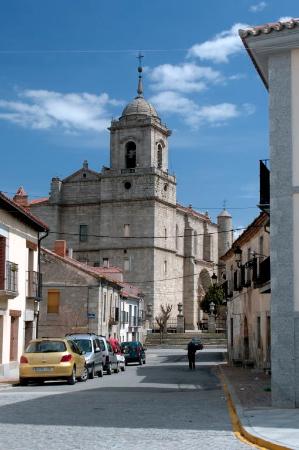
x=258 y=7
x=285 y=19
x=219 y=48
x=41 y=109
x=170 y=102
x=183 y=78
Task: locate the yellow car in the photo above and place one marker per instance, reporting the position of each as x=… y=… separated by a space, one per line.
x=52 y=359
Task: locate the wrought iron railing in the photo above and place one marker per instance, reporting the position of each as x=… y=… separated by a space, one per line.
x=11 y=277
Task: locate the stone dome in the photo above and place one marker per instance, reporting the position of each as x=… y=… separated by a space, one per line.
x=224 y=213
x=139 y=106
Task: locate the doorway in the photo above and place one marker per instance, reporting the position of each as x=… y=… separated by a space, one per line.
x=14 y=331
x=246 y=340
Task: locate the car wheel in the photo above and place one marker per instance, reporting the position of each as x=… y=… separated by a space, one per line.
x=140 y=362
x=117 y=369
x=72 y=378
x=126 y=363
x=92 y=372
x=144 y=361
x=84 y=374
x=109 y=369
x=23 y=382
x=123 y=368
x=100 y=372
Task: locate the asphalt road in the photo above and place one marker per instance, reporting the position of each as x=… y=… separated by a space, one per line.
x=161 y=405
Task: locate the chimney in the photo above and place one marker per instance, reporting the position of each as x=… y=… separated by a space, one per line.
x=60 y=248
x=21 y=197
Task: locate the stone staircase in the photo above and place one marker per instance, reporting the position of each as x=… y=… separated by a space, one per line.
x=181 y=340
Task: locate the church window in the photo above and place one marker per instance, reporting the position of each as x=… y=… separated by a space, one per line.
x=105 y=262
x=127 y=185
x=127 y=265
x=84 y=175
x=83 y=233
x=130 y=155
x=127 y=230
x=160 y=156
x=165 y=267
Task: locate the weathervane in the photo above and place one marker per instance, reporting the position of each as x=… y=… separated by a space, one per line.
x=140 y=86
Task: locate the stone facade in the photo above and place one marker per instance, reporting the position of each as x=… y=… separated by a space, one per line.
x=127 y=215
x=86 y=301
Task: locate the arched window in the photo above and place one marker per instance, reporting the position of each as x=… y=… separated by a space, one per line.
x=130 y=155
x=160 y=156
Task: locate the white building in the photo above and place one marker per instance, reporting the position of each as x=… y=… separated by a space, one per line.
x=20 y=234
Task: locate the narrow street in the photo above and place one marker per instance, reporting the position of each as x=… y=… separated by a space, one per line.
x=161 y=405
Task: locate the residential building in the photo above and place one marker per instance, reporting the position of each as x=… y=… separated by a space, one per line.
x=20 y=236
x=128 y=215
x=247 y=290
x=132 y=315
x=77 y=297
x=273 y=49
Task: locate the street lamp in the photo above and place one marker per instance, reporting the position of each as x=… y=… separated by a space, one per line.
x=238 y=255
x=214 y=279
x=212 y=307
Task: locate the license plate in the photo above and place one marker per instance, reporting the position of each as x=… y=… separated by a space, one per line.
x=43 y=369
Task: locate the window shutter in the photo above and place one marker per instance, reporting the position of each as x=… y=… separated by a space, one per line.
x=53 y=302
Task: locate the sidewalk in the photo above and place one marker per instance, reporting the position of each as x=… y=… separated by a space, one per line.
x=6 y=382
x=249 y=401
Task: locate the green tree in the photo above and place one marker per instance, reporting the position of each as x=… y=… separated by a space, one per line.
x=214 y=294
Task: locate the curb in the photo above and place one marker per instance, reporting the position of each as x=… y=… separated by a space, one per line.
x=238 y=429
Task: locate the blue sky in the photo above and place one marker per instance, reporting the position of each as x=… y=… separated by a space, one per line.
x=68 y=66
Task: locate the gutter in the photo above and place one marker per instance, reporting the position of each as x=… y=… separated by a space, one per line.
x=39 y=286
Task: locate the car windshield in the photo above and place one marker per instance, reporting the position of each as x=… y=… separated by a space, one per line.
x=46 y=347
x=129 y=344
x=84 y=345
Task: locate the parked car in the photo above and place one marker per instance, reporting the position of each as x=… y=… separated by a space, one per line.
x=52 y=359
x=110 y=362
x=118 y=353
x=133 y=352
x=90 y=346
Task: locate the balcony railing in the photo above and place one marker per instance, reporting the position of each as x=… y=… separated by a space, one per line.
x=264 y=272
x=10 y=282
x=32 y=284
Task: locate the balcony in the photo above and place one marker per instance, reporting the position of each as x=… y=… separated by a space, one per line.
x=32 y=279
x=264 y=204
x=9 y=282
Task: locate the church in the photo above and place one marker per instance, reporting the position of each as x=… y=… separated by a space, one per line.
x=127 y=216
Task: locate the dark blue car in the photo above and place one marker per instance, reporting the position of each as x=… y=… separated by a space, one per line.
x=133 y=352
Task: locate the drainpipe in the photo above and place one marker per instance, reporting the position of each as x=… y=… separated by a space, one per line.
x=39 y=281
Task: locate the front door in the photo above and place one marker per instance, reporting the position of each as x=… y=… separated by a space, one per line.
x=14 y=331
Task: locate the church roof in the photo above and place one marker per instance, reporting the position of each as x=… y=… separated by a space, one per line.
x=139 y=106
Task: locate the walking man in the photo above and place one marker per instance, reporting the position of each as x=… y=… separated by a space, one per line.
x=191 y=354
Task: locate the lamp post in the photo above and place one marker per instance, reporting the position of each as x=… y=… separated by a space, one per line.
x=149 y=316
x=238 y=255
x=214 y=279
x=212 y=320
